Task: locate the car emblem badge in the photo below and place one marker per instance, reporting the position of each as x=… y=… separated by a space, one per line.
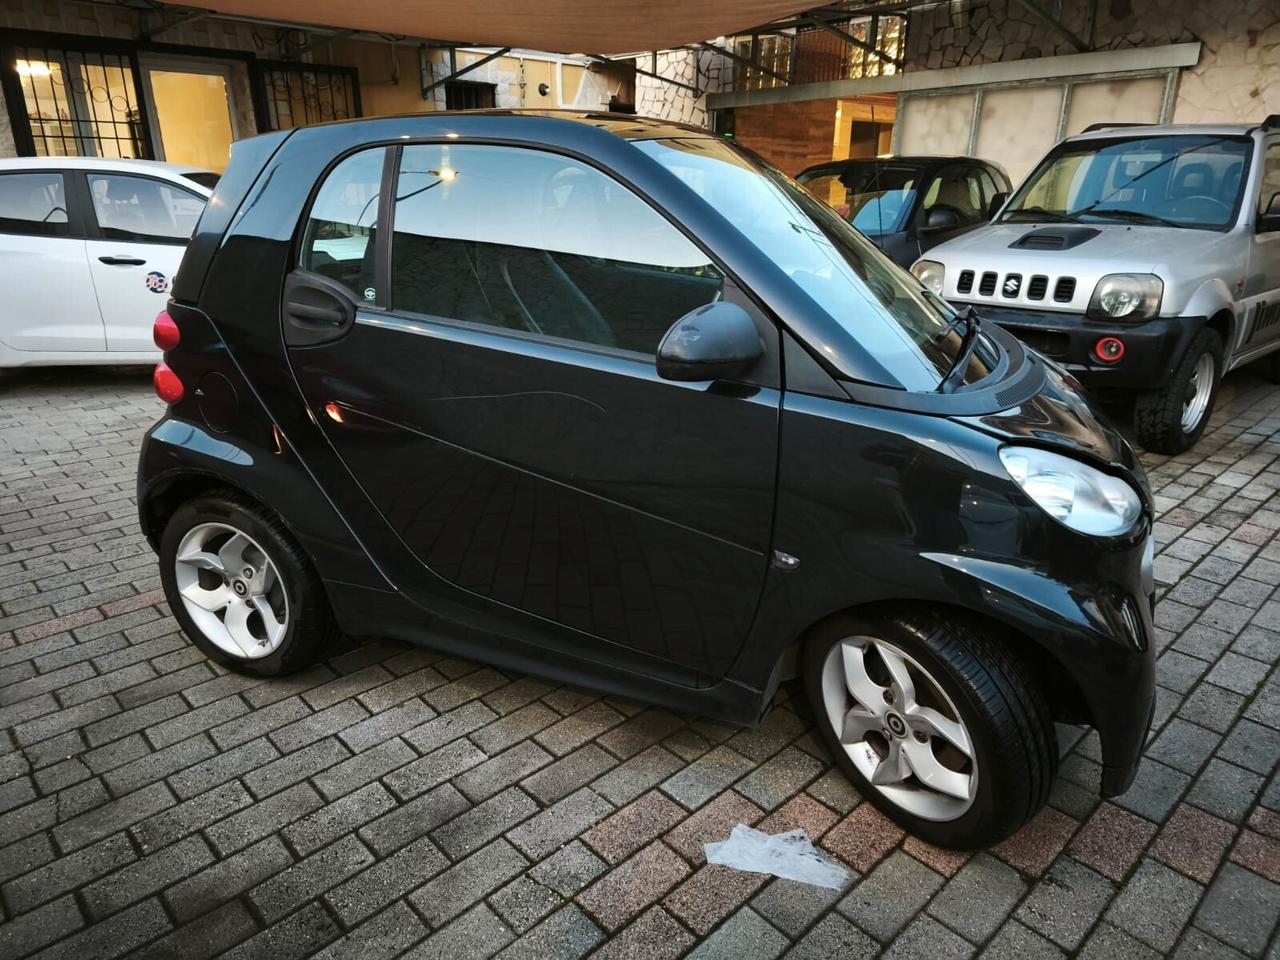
x=1012 y=285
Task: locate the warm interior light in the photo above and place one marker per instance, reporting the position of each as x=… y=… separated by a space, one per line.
x=33 y=68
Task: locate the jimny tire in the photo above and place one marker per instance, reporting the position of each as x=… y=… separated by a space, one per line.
x=934 y=722
x=241 y=588
x=1171 y=418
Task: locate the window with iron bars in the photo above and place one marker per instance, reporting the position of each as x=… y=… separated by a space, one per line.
x=297 y=95
x=821 y=55
x=75 y=103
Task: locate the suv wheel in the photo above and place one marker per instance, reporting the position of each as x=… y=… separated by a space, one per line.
x=241 y=589
x=1170 y=419
x=935 y=723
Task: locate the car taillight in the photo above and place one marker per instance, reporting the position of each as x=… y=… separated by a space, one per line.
x=168 y=387
x=165 y=332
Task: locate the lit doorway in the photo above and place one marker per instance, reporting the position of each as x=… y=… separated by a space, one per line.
x=191 y=110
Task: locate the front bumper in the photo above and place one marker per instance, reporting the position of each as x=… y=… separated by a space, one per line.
x=1152 y=348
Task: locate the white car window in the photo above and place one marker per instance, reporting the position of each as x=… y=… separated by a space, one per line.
x=139 y=208
x=33 y=203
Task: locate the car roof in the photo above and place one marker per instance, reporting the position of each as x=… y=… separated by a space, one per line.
x=1166 y=130
x=155 y=167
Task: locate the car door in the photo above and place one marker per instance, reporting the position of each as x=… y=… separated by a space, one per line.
x=500 y=406
x=49 y=302
x=1261 y=298
x=142 y=227
x=957 y=188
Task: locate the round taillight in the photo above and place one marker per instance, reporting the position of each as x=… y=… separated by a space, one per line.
x=165 y=332
x=1109 y=349
x=168 y=386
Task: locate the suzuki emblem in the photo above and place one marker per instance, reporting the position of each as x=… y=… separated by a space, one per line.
x=1011 y=286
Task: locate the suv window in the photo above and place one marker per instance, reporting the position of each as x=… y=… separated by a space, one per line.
x=338 y=242
x=33 y=203
x=1270 y=177
x=535 y=242
x=139 y=208
x=957 y=188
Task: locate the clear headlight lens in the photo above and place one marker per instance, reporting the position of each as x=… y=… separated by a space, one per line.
x=1131 y=296
x=1074 y=493
x=930 y=273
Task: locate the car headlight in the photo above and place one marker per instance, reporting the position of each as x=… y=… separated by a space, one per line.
x=1074 y=493
x=1127 y=296
x=930 y=273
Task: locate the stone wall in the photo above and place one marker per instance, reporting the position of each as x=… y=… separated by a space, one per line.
x=654 y=98
x=1237 y=79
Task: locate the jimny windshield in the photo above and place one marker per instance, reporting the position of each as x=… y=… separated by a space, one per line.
x=1189 y=181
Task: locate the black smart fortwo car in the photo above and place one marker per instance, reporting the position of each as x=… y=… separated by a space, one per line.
x=612 y=401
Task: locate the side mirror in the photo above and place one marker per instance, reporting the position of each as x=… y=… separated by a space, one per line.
x=713 y=342
x=997 y=201
x=940 y=218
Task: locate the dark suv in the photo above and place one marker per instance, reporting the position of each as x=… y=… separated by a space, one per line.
x=906 y=206
x=610 y=401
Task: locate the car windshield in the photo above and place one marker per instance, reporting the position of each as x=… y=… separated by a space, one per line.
x=875 y=197
x=1188 y=180
x=910 y=332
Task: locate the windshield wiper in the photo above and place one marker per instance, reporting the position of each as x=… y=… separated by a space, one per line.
x=1134 y=215
x=967 y=345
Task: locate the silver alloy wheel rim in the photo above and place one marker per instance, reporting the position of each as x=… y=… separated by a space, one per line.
x=231 y=590
x=899 y=728
x=1199 y=390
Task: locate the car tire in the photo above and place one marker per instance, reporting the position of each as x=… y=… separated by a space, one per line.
x=966 y=674
x=1171 y=419
x=280 y=620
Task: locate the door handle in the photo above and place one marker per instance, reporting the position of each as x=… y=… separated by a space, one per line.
x=317 y=313
x=123 y=260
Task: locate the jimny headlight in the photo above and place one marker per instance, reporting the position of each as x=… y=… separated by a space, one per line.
x=1074 y=493
x=1126 y=296
x=930 y=273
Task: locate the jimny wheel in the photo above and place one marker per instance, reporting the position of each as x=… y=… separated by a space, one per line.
x=935 y=721
x=231 y=590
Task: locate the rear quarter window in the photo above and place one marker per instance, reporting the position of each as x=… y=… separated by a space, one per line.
x=33 y=204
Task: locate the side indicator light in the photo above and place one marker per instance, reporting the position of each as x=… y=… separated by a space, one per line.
x=168 y=387
x=333 y=411
x=165 y=332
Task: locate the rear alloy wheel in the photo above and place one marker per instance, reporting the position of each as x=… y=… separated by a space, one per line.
x=1170 y=419
x=935 y=724
x=241 y=589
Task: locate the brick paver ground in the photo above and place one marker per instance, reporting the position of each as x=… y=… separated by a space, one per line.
x=394 y=802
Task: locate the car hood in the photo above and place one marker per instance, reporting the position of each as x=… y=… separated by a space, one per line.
x=1118 y=247
x=1061 y=418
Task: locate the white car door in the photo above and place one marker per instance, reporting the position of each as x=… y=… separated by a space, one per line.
x=143 y=227
x=49 y=304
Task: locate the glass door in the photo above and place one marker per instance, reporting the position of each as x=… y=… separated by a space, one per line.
x=190 y=107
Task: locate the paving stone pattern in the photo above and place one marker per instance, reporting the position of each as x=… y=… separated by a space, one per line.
x=394 y=802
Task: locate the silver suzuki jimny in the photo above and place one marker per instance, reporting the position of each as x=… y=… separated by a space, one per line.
x=1145 y=258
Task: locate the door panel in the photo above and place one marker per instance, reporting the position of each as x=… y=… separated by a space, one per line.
x=500 y=407
x=579 y=488
x=142 y=227
x=49 y=302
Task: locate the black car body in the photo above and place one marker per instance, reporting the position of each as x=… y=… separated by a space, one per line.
x=593 y=513
x=908 y=205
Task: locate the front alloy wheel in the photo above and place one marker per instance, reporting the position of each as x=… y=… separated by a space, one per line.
x=1170 y=418
x=935 y=721
x=899 y=728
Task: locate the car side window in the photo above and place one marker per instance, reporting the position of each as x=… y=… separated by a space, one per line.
x=340 y=238
x=142 y=209
x=33 y=204
x=958 y=189
x=1270 y=180
x=535 y=242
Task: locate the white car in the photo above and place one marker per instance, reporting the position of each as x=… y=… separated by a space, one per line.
x=88 y=252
